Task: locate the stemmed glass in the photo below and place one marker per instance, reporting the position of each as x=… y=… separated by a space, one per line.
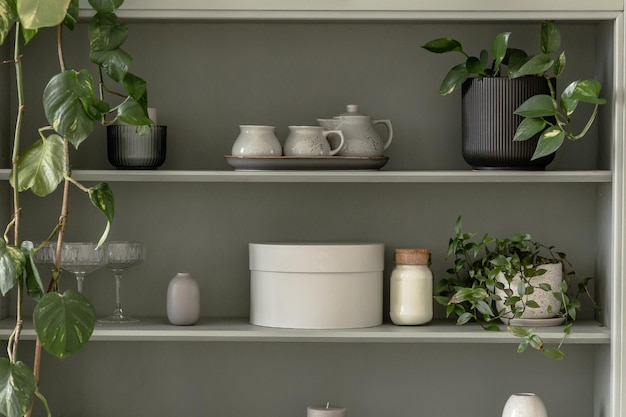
x=79 y=258
x=119 y=257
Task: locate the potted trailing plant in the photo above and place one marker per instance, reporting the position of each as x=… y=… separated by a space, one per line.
x=513 y=118
x=63 y=321
x=495 y=280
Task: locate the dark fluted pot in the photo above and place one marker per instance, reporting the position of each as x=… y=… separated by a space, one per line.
x=489 y=124
x=128 y=150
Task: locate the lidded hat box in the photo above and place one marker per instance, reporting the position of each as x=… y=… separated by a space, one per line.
x=316 y=285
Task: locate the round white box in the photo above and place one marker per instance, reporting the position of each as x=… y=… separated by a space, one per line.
x=316 y=285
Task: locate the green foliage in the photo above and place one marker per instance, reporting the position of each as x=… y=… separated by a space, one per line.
x=73 y=102
x=541 y=114
x=478 y=279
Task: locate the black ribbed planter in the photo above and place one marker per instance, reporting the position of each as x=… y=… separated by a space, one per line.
x=128 y=150
x=489 y=124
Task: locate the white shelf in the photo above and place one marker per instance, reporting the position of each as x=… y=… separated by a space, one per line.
x=460 y=176
x=363 y=9
x=239 y=330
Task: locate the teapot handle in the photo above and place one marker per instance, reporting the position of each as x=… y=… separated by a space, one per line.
x=341 y=143
x=387 y=124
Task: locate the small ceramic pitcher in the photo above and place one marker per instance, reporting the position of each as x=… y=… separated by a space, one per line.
x=256 y=140
x=311 y=141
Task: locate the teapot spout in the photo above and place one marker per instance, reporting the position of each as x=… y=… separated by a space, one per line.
x=329 y=124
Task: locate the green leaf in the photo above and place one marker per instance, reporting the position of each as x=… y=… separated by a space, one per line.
x=105 y=6
x=17 y=388
x=532 y=304
x=519 y=331
x=105 y=34
x=36 y=14
x=40 y=167
x=132 y=113
x=443 y=45
x=523 y=345
x=475 y=65
x=588 y=91
x=71 y=18
x=453 y=79
x=528 y=128
x=441 y=300
x=63 y=101
x=34 y=286
x=464 y=318
x=550 y=140
x=8 y=17
x=64 y=322
x=115 y=62
x=568 y=103
x=136 y=87
x=492 y=327
x=499 y=47
x=11 y=266
x=540 y=105
x=101 y=196
x=550 y=37
x=559 y=64
x=537 y=65
x=554 y=353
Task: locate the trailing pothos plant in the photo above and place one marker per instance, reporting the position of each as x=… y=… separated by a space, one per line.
x=542 y=113
x=73 y=102
x=475 y=283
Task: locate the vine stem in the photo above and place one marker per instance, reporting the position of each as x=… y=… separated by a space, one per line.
x=62 y=222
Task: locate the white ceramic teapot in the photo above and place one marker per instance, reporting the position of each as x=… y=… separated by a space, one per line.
x=361 y=139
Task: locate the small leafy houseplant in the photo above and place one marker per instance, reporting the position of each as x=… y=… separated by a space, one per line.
x=73 y=105
x=474 y=284
x=542 y=113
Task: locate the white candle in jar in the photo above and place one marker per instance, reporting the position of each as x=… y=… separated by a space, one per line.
x=326 y=411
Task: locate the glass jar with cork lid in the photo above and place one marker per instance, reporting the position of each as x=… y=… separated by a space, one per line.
x=411 y=288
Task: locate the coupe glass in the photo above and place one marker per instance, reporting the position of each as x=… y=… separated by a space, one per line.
x=121 y=256
x=81 y=258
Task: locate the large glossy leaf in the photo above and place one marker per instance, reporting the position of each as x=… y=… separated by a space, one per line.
x=63 y=101
x=559 y=64
x=17 y=388
x=11 y=266
x=550 y=140
x=71 y=18
x=528 y=128
x=442 y=45
x=536 y=65
x=475 y=65
x=453 y=79
x=105 y=34
x=588 y=91
x=540 y=105
x=36 y=14
x=8 y=17
x=101 y=196
x=132 y=113
x=550 y=37
x=105 y=6
x=568 y=103
x=114 y=62
x=40 y=167
x=499 y=47
x=64 y=322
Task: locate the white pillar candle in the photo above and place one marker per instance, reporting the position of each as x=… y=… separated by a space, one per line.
x=326 y=411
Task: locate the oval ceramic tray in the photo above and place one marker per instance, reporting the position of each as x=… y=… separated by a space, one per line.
x=296 y=163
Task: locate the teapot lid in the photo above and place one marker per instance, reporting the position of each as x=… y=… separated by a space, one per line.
x=352 y=110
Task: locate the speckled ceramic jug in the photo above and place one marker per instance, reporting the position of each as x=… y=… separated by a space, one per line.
x=311 y=141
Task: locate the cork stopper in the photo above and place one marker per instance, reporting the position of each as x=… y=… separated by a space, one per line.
x=412 y=256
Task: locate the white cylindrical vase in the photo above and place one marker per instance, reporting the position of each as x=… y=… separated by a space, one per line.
x=326 y=411
x=524 y=405
x=183 y=300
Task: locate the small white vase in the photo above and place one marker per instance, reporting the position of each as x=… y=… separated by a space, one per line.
x=524 y=405
x=183 y=300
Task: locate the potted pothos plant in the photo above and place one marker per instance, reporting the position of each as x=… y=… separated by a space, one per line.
x=73 y=102
x=512 y=117
x=504 y=280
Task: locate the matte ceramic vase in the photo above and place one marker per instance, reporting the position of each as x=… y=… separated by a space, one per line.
x=524 y=405
x=183 y=300
x=256 y=140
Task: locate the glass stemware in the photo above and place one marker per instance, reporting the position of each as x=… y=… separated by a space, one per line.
x=121 y=256
x=79 y=258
